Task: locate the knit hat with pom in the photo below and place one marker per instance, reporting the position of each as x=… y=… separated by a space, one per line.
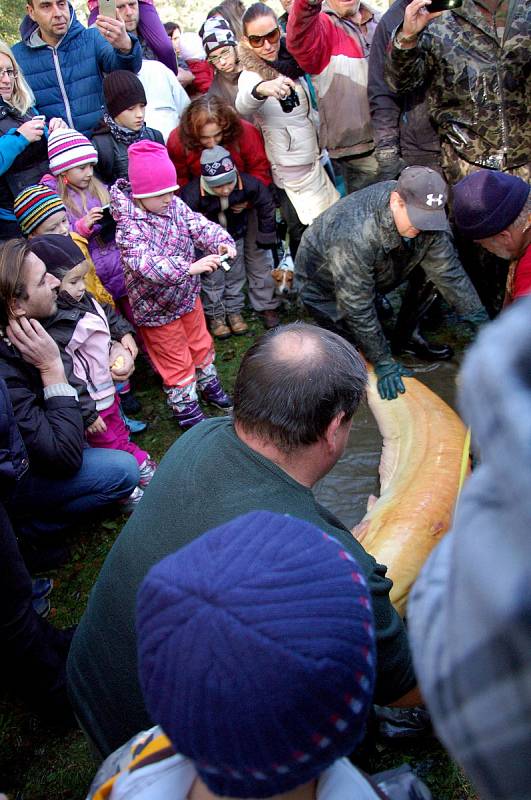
x=68 y=148
x=256 y=653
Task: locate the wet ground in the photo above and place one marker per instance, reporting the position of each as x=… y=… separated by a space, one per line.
x=345 y=489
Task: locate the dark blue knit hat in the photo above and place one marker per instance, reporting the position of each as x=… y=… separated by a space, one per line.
x=256 y=653
x=486 y=202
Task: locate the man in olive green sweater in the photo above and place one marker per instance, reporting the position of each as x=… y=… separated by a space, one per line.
x=296 y=392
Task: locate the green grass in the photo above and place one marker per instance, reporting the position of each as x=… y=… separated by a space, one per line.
x=38 y=763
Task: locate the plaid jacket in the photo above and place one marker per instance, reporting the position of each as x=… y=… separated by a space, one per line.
x=470 y=611
x=157 y=252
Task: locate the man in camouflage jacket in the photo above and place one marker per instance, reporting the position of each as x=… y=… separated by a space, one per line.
x=476 y=61
x=364 y=244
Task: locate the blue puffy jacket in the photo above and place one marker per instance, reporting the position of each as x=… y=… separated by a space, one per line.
x=67 y=79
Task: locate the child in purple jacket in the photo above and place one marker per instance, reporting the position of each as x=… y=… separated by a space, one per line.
x=72 y=157
x=158 y=236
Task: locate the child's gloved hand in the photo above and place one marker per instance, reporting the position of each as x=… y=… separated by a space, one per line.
x=98 y=426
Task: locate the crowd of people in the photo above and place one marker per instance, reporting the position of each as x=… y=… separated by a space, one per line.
x=151 y=179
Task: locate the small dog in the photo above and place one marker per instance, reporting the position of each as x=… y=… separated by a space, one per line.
x=283 y=275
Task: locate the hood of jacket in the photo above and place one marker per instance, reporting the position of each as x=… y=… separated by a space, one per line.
x=122 y=204
x=29 y=30
x=269 y=70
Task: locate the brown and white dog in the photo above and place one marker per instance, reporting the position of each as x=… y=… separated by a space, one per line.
x=283 y=275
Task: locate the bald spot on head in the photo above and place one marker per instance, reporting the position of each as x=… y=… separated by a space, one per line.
x=298 y=347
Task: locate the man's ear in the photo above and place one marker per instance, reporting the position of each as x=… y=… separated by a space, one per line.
x=30 y=11
x=15 y=309
x=331 y=432
x=395 y=201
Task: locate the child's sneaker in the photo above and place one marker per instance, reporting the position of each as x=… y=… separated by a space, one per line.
x=41 y=587
x=42 y=606
x=131 y=502
x=214 y=395
x=189 y=415
x=147 y=470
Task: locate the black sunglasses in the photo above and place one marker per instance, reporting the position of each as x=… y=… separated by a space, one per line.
x=272 y=37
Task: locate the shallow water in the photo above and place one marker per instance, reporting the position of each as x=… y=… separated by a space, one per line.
x=345 y=489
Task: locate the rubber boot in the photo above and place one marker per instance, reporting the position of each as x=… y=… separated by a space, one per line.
x=418 y=298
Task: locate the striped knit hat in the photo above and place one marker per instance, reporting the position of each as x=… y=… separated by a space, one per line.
x=34 y=205
x=67 y=148
x=216 y=33
x=257 y=654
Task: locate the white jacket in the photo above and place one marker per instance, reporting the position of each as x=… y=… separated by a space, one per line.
x=166 y=98
x=290 y=140
x=172 y=776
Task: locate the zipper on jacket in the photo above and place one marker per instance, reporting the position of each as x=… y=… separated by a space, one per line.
x=503 y=121
x=62 y=86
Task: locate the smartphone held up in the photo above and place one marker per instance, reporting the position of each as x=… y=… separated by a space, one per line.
x=443 y=5
x=108 y=8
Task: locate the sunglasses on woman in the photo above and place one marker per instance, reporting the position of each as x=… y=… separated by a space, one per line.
x=272 y=37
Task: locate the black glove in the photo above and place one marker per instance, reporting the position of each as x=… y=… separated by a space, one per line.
x=389 y=373
x=390 y=162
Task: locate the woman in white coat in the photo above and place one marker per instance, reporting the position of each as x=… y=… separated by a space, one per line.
x=272 y=89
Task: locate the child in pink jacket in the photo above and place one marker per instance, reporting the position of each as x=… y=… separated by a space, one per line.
x=158 y=236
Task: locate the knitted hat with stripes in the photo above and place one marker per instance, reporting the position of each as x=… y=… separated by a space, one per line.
x=67 y=148
x=34 y=205
x=256 y=653
x=216 y=32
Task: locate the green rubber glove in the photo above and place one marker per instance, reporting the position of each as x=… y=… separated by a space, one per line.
x=389 y=373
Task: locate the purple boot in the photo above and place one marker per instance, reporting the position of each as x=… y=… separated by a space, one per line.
x=189 y=415
x=184 y=406
x=214 y=395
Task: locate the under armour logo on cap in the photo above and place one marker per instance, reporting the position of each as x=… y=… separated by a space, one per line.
x=425 y=194
x=431 y=200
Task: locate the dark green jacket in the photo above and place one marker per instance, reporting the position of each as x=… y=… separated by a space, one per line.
x=207 y=478
x=477 y=84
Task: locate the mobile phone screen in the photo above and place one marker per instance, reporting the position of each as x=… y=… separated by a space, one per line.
x=443 y=5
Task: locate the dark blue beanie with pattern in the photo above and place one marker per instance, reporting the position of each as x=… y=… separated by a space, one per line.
x=256 y=653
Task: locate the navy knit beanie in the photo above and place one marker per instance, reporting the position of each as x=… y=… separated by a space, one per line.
x=59 y=253
x=256 y=653
x=486 y=202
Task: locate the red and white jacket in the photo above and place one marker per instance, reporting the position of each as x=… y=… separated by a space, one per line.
x=334 y=51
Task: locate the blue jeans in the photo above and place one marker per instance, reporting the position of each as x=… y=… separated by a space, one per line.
x=105 y=477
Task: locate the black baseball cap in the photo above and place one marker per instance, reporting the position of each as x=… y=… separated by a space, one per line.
x=425 y=194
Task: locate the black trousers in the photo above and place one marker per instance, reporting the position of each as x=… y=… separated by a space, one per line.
x=33 y=651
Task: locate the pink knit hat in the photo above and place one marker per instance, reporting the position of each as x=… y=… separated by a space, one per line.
x=150 y=170
x=68 y=148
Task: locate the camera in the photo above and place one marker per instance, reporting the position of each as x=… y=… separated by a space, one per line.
x=225 y=262
x=288 y=103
